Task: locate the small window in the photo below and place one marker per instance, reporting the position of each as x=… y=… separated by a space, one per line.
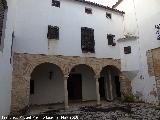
x=108 y=15
x=127 y=50
x=111 y=40
x=88 y=10
x=53 y=32
x=31 y=87
x=56 y=3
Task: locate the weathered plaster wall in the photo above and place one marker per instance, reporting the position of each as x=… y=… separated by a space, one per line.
x=146 y=16
x=153 y=58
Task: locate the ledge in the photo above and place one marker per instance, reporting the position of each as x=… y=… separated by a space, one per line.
x=127 y=38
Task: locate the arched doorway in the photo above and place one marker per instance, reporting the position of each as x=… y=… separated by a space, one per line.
x=109 y=84
x=81 y=83
x=46 y=85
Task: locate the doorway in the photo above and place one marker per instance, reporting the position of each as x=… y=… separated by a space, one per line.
x=101 y=87
x=117 y=83
x=74 y=87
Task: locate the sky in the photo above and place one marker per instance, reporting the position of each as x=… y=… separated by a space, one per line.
x=109 y=3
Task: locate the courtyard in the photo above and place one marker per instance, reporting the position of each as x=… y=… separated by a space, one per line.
x=89 y=111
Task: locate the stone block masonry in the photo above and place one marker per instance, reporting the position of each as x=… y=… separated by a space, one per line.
x=24 y=64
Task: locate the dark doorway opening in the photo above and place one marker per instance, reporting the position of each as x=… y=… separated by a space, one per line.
x=101 y=87
x=117 y=83
x=31 y=87
x=74 y=85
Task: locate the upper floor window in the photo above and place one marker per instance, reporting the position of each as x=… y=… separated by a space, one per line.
x=111 y=40
x=56 y=3
x=88 y=10
x=108 y=15
x=87 y=40
x=3 y=8
x=53 y=32
x=127 y=50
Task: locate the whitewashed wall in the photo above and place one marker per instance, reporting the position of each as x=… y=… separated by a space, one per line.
x=5 y=66
x=47 y=90
x=32 y=24
x=146 y=15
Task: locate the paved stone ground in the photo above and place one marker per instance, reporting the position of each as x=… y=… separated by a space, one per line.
x=109 y=111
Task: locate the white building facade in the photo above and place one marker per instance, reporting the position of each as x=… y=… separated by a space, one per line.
x=141 y=21
x=84 y=35
x=71 y=50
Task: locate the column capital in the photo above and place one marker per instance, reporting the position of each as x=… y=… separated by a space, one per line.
x=97 y=77
x=66 y=77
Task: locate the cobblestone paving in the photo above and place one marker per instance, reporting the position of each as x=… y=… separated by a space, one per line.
x=113 y=111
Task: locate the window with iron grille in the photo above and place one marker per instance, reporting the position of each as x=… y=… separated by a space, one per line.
x=3 y=8
x=88 y=10
x=111 y=40
x=56 y=3
x=108 y=15
x=127 y=50
x=53 y=32
x=87 y=40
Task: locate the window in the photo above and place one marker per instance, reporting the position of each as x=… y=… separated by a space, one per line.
x=56 y=3
x=88 y=10
x=111 y=40
x=127 y=50
x=87 y=40
x=3 y=8
x=31 y=87
x=108 y=15
x=53 y=32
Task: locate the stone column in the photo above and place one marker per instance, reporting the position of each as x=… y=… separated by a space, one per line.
x=110 y=84
x=65 y=93
x=97 y=91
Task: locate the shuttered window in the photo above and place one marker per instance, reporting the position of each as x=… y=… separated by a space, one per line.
x=88 y=10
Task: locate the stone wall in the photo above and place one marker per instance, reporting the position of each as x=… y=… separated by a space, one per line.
x=154 y=66
x=24 y=64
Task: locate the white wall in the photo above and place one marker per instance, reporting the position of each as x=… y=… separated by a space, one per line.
x=47 y=90
x=5 y=66
x=126 y=64
x=34 y=16
x=146 y=17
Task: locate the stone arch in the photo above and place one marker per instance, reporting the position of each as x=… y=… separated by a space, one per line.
x=76 y=65
x=47 y=76
x=81 y=83
x=24 y=64
x=33 y=67
x=29 y=67
x=125 y=83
